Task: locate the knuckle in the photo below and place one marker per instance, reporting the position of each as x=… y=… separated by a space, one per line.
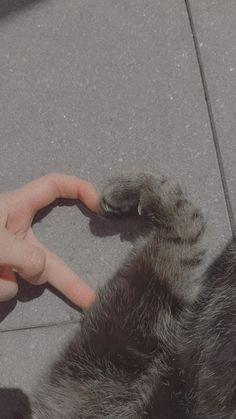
x=10 y=292
x=53 y=180
x=53 y=177
x=37 y=261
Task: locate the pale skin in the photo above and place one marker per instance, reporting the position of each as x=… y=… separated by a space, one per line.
x=21 y=251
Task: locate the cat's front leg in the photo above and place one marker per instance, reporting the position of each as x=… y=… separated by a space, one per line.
x=174 y=251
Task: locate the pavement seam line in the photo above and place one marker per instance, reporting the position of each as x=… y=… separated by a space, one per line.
x=40 y=326
x=212 y=121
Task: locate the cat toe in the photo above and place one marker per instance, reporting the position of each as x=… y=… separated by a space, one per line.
x=107 y=209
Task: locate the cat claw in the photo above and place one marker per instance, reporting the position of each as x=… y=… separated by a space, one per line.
x=139 y=209
x=107 y=207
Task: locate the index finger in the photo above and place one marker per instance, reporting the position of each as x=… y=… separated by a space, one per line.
x=43 y=191
x=58 y=274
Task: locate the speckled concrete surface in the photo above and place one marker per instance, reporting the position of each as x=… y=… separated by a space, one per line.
x=216 y=31
x=95 y=88
x=32 y=354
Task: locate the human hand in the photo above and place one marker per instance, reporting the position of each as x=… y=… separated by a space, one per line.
x=22 y=252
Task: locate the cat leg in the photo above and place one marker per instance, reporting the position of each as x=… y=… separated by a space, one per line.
x=175 y=247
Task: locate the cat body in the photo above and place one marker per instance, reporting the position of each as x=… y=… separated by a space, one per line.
x=160 y=341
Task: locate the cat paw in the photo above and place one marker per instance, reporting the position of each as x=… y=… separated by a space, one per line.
x=119 y=197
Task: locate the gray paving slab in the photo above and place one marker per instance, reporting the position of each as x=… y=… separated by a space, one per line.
x=214 y=22
x=26 y=354
x=95 y=88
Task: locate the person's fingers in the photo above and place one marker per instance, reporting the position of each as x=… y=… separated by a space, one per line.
x=41 y=192
x=58 y=274
x=28 y=260
x=8 y=284
x=67 y=282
